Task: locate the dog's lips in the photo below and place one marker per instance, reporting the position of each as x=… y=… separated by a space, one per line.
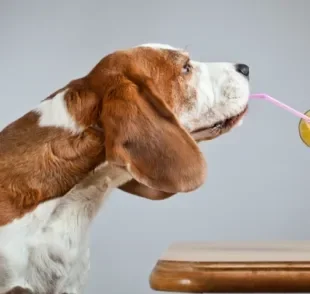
x=218 y=128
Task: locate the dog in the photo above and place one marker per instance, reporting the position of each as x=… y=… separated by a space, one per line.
x=134 y=123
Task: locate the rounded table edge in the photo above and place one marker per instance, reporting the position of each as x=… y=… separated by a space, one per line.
x=233 y=277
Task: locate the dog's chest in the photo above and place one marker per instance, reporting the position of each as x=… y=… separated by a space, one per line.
x=40 y=252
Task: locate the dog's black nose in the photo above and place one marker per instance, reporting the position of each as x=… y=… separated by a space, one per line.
x=243 y=69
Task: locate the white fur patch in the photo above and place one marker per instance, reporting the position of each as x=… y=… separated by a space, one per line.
x=158 y=46
x=221 y=92
x=14 y=239
x=54 y=113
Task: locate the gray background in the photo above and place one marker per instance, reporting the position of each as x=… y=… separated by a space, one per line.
x=258 y=174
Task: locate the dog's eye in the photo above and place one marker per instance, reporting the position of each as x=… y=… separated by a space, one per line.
x=187 y=68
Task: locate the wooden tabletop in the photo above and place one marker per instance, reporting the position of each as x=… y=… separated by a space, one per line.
x=234 y=267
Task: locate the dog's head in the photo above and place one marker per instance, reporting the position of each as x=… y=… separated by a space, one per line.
x=154 y=104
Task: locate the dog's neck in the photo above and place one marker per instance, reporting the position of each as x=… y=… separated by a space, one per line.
x=86 y=198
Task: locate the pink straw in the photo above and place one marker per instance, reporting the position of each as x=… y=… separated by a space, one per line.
x=281 y=105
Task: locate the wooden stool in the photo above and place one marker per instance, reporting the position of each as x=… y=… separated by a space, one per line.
x=234 y=267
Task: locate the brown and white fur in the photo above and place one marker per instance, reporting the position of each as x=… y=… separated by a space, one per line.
x=132 y=123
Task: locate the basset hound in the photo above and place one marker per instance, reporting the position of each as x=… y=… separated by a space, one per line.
x=133 y=123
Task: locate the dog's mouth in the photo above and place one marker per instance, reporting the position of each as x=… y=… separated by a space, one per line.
x=218 y=128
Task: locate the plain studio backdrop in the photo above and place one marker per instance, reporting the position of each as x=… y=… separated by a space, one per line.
x=258 y=184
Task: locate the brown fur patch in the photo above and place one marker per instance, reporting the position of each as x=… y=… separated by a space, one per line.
x=19 y=290
x=37 y=164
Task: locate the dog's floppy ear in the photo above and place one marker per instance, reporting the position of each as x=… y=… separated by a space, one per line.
x=143 y=135
x=135 y=188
